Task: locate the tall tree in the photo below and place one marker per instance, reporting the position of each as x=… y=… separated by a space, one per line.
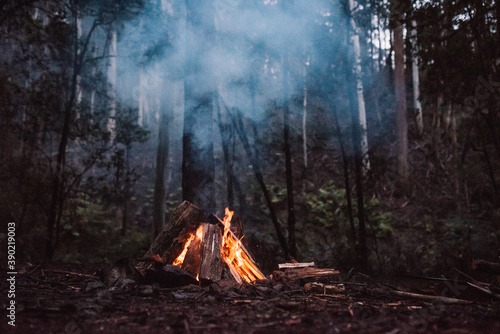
x=363 y=128
x=74 y=58
x=159 y=187
x=292 y=240
x=397 y=12
x=353 y=93
x=417 y=107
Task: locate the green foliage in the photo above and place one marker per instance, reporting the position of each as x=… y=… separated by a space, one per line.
x=453 y=242
x=325 y=232
x=92 y=234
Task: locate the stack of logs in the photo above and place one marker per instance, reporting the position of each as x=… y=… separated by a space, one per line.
x=203 y=259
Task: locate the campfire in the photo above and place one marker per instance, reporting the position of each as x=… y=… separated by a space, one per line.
x=197 y=246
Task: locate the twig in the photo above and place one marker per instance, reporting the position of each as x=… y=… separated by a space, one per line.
x=64 y=272
x=446 y=300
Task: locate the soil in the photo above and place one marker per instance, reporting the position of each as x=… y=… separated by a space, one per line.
x=73 y=299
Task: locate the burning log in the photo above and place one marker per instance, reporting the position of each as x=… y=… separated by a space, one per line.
x=210 y=252
x=235 y=255
x=199 y=245
x=170 y=243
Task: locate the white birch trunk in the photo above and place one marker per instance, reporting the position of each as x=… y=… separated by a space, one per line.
x=143 y=101
x=359 y=89
x=92 y=90
x=112 y=81
x=79 y=78
x=416 y=80
x=304 y=117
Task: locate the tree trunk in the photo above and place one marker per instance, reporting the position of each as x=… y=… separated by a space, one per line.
x=226 y=136
x=400 y=95
x=304 y=119
x=353 y=93
x=57 y=199
x=292 y=242
x=112 y=82
x=347 y=183
x=361 y=110
x=416 y=80
x=161 y=163
x=198 y=161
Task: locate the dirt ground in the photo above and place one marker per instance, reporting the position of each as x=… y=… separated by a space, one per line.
x=72 y=299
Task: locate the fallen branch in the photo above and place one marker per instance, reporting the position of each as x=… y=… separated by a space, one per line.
x=486 y=267
x=484 y=289
x=430 y=298
x=72 y=273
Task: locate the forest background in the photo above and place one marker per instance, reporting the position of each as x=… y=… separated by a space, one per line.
x=352 y=134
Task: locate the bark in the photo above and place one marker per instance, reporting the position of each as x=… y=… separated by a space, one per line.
x=210 y=252
x=159 y=189
x=416 y=80
x=226 y=136
x=304 y=119
x=292 y=242
x=169 y=243
x=361 y=109
x=198 y=161
x=353 y=93
x=347 y=183
x=400 y=95
x=112 y=82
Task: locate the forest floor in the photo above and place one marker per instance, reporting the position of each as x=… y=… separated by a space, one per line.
x=72 y=299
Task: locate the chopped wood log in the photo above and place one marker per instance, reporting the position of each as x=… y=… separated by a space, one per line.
x=192 y=260
x=170 y=242
x=210 y=250
x=308 y=272
x=486 y=267
x=295 y=265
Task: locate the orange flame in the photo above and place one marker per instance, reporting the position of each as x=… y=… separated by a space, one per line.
x=180 y=259
x=233 y=253
x=241 y=266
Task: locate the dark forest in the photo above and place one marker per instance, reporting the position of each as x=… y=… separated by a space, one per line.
x=358 y=135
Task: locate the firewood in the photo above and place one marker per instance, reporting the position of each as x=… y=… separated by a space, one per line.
x=199 y=244
x=486 y=267
x=295 y=265
x=170 y=242
x=210 y=251
x=308 y=272
x=192 y=259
